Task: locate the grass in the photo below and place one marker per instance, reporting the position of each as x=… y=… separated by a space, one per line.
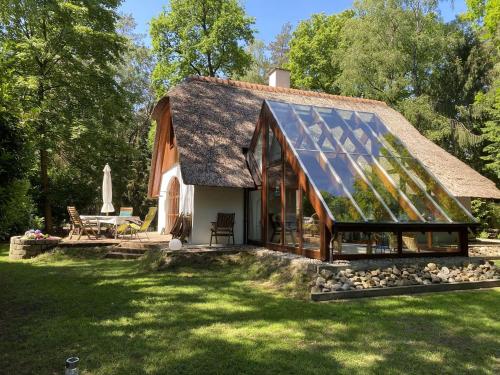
x=215 y=320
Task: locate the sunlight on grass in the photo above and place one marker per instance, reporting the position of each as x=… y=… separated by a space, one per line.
x=213 y=320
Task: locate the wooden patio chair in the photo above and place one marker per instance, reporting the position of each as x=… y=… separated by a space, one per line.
x=78 y=224
x=410 y=241
x=144 y=226
x=182 y=227
x=223 y=227
x=126 y=211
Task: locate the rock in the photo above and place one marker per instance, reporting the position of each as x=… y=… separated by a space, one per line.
x=431 y=266
x=375 y=272
x=435 y=279
x=451 y=280
x=405 y=273
x=326 y=290
x=489 y=274
x=445 y=270
x=426 y=282
x=396 y=271
x=315 y=290
x=383 y=283
x=320 y=281
x=336 y=287
x=345 y=287
x=443 y=276
x=327 y=274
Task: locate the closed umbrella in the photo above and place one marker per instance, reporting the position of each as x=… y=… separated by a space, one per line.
x=107 y=191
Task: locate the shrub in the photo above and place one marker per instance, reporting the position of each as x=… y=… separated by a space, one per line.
x=16 y=208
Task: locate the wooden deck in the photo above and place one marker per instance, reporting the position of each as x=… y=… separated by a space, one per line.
x=155 y=241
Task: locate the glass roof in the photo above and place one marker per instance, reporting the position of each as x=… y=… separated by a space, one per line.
x=361 y=171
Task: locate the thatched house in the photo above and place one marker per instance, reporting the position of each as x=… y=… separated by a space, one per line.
x=209 y=158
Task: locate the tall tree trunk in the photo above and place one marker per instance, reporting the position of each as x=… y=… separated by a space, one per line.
x=44 y=159
x=44 y=179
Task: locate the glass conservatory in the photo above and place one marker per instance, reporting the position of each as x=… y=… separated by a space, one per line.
x=337 y=184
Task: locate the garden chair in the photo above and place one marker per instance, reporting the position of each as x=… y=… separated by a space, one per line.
x=124 y=229
x=126 y=211
x=223 y=227
x=78 y=224
x=182 y=227
x=144 y=225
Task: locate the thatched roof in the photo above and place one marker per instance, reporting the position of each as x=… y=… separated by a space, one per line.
x=214 y=119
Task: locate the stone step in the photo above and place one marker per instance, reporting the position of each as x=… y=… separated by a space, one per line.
x=122 y=255
x=141 y=245
x=129 y=250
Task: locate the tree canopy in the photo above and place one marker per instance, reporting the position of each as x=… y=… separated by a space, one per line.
x=204 y=37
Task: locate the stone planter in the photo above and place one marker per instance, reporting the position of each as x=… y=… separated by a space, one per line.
x=23 y=249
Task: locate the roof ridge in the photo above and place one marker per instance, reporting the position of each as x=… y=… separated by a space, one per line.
x=283 y=90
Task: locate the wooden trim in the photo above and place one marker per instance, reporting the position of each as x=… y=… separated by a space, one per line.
x=463 y=241
x=393 y=255
x=400 y=243
x=173 y=196
x=283 y=200
x=263 y=211
x=325 y=238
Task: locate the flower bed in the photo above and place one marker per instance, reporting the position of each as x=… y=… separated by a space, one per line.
x=395 y=276
x=31 y=244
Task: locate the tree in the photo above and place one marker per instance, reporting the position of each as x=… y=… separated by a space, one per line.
x=280 y=47
x=486 y=108
x=204 y=37
x=314 y=62
x=134 y=74
x=392 y=47
x=260 y=66
x=64 y=53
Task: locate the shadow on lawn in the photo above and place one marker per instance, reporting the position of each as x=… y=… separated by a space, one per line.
x=194 y=320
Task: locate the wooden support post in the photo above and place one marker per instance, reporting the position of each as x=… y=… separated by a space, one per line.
x=400 y=242
x=463 y=242
x=325 y=239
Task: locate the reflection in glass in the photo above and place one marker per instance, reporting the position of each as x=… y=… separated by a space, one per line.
x=254 y=216
x=274 y=203
x=361 y=170
x=417 y=242
x=274 y=149
x=292 y=208
x=310 y=225
x=356 y=243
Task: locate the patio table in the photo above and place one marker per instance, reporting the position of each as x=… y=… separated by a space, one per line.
x=113 y=220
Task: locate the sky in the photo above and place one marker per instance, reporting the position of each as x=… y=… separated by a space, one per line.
x=270 y=15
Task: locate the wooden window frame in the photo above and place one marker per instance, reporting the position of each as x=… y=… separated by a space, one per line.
x=268 y=123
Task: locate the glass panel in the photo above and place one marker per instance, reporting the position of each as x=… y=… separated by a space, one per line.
x=355 y=243
x=292 y=208
x=274 y=204
x=274 y=149
x=417 y=242
x=254 y=219
x=361 y=170
x=310 y=225
x=335 y=196
x=257 y=152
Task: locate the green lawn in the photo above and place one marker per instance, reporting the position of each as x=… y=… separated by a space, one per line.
x=120 y=320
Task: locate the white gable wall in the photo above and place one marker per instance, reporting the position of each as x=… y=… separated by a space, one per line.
x=185 y=199
x=208 y=201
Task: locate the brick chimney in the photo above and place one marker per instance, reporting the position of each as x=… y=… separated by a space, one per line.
x=279 y=78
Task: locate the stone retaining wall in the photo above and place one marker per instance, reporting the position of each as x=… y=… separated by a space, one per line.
x=23 y=249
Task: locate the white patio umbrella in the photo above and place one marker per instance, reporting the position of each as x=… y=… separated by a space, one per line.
x=107 y=191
